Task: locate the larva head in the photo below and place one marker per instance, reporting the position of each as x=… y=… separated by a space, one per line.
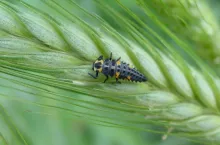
x=97 y=65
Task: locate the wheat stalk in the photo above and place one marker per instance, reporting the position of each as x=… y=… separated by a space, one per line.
x=56 y=49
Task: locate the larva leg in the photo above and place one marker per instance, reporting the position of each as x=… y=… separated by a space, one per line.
x=106 y=78
x=110 y=56
x=117 y=81
x=95 y=77
x=118 y=59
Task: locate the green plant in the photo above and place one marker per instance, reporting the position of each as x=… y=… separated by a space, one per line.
x=46 y=51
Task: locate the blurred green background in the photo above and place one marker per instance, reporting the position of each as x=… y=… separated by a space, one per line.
x=44 y=125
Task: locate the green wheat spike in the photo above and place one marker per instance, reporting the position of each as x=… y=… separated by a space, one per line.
x=47 y=50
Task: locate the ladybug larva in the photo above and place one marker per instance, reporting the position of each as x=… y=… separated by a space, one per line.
x=112 y=67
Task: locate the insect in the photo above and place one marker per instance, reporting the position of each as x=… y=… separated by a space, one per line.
x=116 y=68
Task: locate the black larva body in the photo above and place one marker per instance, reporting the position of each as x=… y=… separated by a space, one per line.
x=120 y=70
